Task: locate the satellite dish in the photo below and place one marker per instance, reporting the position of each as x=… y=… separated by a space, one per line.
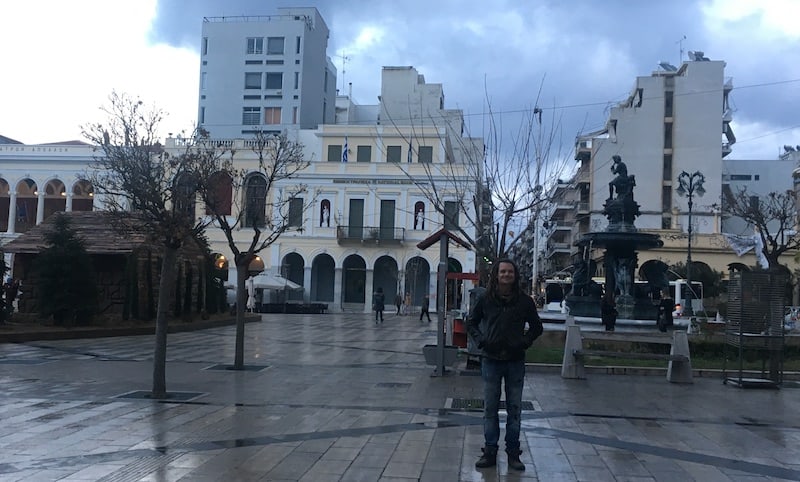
x=667 y=66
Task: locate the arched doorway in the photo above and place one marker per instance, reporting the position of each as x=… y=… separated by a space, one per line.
x=293 y=269
x=82 y=196
x=384 y=275
x=5 y=202
x=323 y=271
x=55 y=197
x=27 y=205
x=354 y=279
x=418 y=279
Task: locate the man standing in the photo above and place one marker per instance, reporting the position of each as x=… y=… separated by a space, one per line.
x=398 y=301
x=504 y=323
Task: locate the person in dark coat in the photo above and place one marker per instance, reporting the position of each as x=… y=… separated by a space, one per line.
x=665 y=308
x=426 y=306
x=398 y=302
x=504 y=323
x=608 y=311
x=378 y=304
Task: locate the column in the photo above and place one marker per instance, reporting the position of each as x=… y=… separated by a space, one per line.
x=368 y=291
x=337 y=289
x=69 y=202
x=40 y=207
x=307 y=284
x=12 y=211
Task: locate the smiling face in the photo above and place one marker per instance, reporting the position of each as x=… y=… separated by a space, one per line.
x=506 y=275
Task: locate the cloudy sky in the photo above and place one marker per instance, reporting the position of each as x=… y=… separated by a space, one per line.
x=60 y=59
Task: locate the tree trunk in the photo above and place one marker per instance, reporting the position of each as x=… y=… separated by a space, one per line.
x=165 y=285
x=241 y=302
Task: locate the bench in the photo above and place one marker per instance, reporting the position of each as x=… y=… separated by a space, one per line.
x=679 y=369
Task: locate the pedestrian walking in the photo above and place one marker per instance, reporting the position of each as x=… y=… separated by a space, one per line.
x=426 y=305
x=407 y=304
x=398 y=301
x=504 y=323
x=378 y=305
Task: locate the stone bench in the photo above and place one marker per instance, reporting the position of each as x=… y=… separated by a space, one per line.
x=679 y=369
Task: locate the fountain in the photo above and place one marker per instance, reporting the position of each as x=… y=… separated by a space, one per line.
x=621 y=241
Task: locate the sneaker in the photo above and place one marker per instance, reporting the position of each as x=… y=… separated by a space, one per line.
x=514 y=462
x=488 y=459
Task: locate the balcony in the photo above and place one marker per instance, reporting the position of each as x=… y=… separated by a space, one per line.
x=369 y=235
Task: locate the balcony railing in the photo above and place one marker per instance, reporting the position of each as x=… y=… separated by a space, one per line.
x=369 y=235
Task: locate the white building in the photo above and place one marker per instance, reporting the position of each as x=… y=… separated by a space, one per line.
x=265 y=73
x=38 y=180
x=366 y=216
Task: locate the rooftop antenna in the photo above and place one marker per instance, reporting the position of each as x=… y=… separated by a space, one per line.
x=344 y=58
x=680 y=47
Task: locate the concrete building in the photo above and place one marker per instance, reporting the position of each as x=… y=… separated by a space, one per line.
x=364 y=217
x=265 y=73
x=677 y=119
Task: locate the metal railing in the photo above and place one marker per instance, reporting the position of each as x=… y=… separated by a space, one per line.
x=369 y=234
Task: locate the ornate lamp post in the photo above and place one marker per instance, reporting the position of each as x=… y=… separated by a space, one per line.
x=689 y=185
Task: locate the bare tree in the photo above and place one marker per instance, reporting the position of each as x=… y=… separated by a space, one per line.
x=145 y=189
x=773 y=217
x=261 y=198
x=508 y=181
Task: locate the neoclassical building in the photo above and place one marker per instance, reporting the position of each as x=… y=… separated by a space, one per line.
x=38 y=180
x=364 y=209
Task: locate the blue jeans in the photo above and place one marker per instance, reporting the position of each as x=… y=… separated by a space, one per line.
x=494 y=372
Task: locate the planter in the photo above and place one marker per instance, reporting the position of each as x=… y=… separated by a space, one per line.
x=431 y=358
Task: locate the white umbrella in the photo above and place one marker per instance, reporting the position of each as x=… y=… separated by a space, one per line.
x=274 y=282
x=251 y=294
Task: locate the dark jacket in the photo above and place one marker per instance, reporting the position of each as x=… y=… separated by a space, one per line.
x=498 y=327
x=377 y=302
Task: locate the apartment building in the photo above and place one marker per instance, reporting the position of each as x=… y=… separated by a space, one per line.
x=265 y=73
x=675 y=120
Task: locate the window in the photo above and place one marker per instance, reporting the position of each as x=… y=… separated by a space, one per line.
x=425 y=154
x=204 y=46
x=334 y=153
x=202 y=115
x=296 y=80
x=274 y=80
x=364 y=154
x=255 y=202
x=272 y=115
x=297 y=46
x=295 y=218
x=203 y=80
x=667 y=174
x=275 y=45
x=255 y=45
x=450 y=215
x=393 y=153
x=220 y=194
x=668 y=103
x=254 y=62
x=294 y=115
x=250 y=116
x=741 y=177
x=252 y=80
x=274 y=62
x=666 y=198
x=668 y=135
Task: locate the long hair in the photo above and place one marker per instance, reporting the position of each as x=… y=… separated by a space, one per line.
x=492 y=289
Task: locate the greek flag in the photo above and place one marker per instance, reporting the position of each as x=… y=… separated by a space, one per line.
x=344 y=150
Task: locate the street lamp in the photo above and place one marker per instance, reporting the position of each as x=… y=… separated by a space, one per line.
x=689 y=185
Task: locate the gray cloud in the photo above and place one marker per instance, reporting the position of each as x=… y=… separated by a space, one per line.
x=582 y=52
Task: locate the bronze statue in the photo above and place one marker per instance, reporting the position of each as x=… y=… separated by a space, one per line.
x=623 y=182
